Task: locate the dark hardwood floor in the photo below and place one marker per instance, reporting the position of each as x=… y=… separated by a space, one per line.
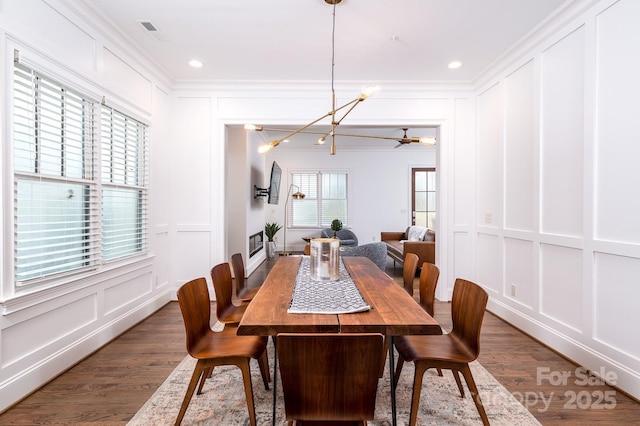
x=110 y=386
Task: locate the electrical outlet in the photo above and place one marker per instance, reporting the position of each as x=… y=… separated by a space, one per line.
x=513 y=290
x=488 y=218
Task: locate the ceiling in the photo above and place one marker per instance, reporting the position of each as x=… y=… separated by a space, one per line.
x=285 y=40
x=376 y=40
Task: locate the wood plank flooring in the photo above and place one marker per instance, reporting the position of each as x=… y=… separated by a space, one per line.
x=109 y=387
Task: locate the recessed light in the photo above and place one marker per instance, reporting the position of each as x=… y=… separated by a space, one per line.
x=454 y=65
x=196 y=63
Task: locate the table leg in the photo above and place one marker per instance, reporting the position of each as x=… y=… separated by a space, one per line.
x=393 y=382
x=275 y=380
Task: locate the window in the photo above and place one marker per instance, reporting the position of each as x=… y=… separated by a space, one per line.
x=325 y=199
x=424 y=197
x=123 y=184
x=65 y=217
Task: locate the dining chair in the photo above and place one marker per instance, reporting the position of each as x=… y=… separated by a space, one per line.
x=226 y=311
x=244 y=293
x=429 y=274
x=213 y=349
x=329 y=377
x=409 y=271
x=453 y=351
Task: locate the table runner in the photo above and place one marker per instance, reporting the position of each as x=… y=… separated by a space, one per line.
x=325 y=297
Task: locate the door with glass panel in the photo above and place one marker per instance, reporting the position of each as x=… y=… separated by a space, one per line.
x=423 y=200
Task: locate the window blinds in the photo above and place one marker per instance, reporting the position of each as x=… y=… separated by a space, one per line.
x=124 y=181
x=55 y=201
x=325 y=199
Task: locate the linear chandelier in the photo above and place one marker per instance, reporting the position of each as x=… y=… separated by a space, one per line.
x=425 y=140
x=335 y=121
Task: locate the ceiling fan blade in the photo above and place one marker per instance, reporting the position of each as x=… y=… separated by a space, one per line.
x=397 y=146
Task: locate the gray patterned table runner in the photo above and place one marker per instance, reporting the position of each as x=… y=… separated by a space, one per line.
x=325 y=297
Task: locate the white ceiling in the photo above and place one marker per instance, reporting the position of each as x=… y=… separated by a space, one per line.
x=376 y=40
x=284 y=40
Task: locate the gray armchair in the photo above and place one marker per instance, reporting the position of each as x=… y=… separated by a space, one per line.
x=347 y=238
x=377 y=252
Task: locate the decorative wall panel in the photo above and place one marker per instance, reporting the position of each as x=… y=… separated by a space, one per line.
x=561 y=288
x=562 y=143
x=520 y=144
x=489 y=162
x=616 y=294
x=489 y=255
x=519 y=282
x=617 y=153
x=46 y=329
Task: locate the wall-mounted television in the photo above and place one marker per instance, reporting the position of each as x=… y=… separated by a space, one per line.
x=274 y=184
x=273 y=191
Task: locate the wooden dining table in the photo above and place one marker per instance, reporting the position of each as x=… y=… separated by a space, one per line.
x=393 y=311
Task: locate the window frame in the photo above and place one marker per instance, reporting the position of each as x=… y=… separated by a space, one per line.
x=320 y=224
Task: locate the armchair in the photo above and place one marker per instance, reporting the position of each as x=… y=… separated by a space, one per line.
x=347 y=237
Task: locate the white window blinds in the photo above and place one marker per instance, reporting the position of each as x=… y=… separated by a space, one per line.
x=55 y=202
x=325 y=199
x=67 y=216
x=124 y=182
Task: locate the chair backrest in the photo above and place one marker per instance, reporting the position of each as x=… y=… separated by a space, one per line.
x=329 y=377
x=409 y=271
x=238 y=273
x=377 y=252
x=223 y=287
x=343 y=234
x=429 y=275
x=195 y=305
x=467 y=311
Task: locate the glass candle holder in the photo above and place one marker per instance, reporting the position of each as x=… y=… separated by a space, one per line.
x=324 y=262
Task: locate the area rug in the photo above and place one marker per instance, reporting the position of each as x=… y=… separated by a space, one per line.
x=223 y=403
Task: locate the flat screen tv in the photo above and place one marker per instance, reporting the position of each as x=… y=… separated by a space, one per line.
x=274 y=184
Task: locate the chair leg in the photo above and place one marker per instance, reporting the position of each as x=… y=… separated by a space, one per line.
x=456 y=376
x=415 y=397
x=385 y=351
x=399 y=365
x=195 y=377
x=439 y=372
x=263 y=362
x=206 y=374
x=466 y=372
x=248 y=390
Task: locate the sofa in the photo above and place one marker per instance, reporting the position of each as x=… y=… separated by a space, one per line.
x=398 y=245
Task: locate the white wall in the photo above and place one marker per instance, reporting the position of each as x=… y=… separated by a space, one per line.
x=557 y=172
x=43 y=333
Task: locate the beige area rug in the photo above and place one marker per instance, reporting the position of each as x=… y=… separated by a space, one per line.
x=223 y=403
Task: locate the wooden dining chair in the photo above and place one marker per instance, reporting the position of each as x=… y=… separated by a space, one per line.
x=453 y=351
x=213 y=349
x=329 y=377
x=244 y=293
x=409 y=271
x=226 y=311
x=429 y=274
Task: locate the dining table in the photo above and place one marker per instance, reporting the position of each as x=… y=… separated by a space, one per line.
x=389 y=309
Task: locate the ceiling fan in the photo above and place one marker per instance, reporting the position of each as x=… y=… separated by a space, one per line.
x=405 y=139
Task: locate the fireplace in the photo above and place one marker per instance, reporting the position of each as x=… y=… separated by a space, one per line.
x=255 y=243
